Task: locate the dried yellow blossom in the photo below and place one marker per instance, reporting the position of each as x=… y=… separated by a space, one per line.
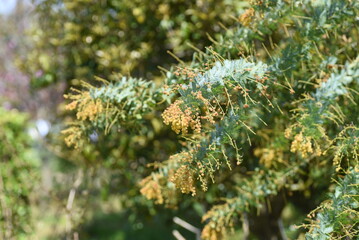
x=246 y=17
x=302 y=145
x=87 y=107
x=184 y=180
x=288 y=132
x=179 y=120
x=209 y=233
x=90 y=111
x=151 y=188
x=219 y=223
x=268 y=156
x=74 y=135
x=318 y=151
x=183 y=177
x=71 y=106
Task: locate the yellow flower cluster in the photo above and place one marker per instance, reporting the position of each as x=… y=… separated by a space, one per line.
x=288 y=133
x=74 y=136
x=302 y=145
x=246 y=17
x=179 y=120
x=151 y=188
x=209 y=233
x=184 y=176
x=184 y=180
x=91 y=110
x=268 y=156
x=162 y=188
x=87 y=107
x=155 y=187
x=219 y=223
x=202 y=176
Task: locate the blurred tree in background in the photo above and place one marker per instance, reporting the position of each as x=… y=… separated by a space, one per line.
x=19 y=175
x=82 y=38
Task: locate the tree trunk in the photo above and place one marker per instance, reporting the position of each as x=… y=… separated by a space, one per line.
x=267 y=225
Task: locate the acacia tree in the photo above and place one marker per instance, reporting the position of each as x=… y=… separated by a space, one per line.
x=70 y=41
x=267 y=117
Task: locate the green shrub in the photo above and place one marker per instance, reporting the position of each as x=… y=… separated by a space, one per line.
x=18 y=175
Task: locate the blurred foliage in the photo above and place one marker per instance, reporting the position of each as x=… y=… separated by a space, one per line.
x=82 y=38
x=19 y=175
